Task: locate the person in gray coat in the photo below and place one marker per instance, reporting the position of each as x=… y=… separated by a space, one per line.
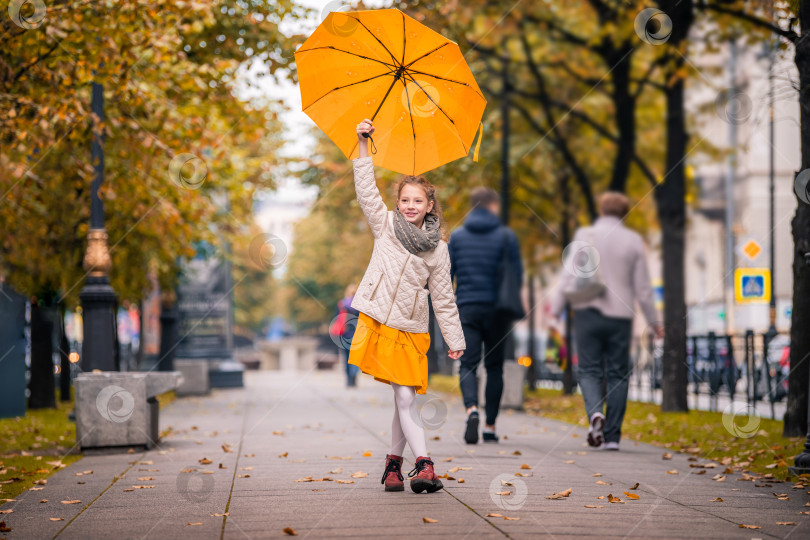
x=611 y=254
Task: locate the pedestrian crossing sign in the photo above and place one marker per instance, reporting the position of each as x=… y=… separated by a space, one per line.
x=752 y=285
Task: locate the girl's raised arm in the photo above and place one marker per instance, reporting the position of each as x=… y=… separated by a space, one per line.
x=366 y=186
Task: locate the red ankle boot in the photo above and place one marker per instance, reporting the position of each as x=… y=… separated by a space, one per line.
x=425 y=479
x=392 y=477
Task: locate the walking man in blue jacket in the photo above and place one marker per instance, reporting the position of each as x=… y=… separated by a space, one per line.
x=475 y=251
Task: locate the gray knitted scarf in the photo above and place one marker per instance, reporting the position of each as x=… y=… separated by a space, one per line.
x=412 y=237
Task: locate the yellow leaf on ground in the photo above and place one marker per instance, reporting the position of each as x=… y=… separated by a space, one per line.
x=448 y=459
x=57 y=519
x=511 y=518
x=525 y=466
x=673 y=471
x=786 y=523
x=366 y=454
x=492 y=514
x=454 y=469
x=635 y=486
x=666 y=455
x=742 y=526
x=205 y=461
x=593 y=506
x=359 y=474
x=632 y=496
x=194 y=524
x=72 y=501
x=220 y=515
x=560 y=495
x=460 y=480
x=504 y=493
x=718 y=499
x=429 y=520
x=345 y=481
x=599 y=482
x=290 y=531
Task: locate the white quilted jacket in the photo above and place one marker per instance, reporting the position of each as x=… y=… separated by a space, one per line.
x=393 y=288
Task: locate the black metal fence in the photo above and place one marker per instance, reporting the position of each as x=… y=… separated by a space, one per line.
x=749 y=366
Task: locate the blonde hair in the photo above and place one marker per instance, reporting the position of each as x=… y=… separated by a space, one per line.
x=430 y=193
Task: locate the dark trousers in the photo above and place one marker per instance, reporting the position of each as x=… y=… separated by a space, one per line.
x=484 y=332
x=603 y=350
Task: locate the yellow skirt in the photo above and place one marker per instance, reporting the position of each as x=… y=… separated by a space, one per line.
x=390 y=355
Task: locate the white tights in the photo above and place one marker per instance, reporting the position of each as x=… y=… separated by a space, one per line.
x=406 y=425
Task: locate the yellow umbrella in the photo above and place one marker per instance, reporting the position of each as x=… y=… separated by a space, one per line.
x=412 y=82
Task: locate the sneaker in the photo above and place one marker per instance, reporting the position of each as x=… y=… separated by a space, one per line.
x=392 y=477
x=425 y=479
x=471 y=433
x=595 y=436
x=612 y=445
x=489 y=435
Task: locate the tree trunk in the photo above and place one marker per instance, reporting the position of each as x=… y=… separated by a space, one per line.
x=43 y=392
x=64 y=357
x=670 y=200
x=625 y=120
x=796 y=411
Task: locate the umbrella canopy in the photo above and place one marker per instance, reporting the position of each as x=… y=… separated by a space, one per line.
x=412 y=82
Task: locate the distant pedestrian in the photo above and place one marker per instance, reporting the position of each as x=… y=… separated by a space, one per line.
x=392 y=339
x=604 y=273
x=476 y=250
x=344 y=325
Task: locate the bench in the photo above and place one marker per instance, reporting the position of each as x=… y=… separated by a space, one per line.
x=115 y=409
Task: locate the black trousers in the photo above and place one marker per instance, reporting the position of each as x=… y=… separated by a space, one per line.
x=484 y=333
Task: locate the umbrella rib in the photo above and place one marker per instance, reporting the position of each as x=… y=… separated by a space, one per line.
x=403 y=38
x=378 y=40
x=443 y=112
x=448 y=80
x=345 y=86
x=349 y=52
x=426 y=54
x=413 y=129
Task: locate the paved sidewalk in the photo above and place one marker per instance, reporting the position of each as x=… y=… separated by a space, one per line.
x=283 y=427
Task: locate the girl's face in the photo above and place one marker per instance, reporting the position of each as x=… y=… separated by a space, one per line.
x=413 y=204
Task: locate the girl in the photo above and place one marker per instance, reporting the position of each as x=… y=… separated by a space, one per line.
x=391 y=340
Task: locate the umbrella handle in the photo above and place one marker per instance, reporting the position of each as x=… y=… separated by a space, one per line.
x=373 y=146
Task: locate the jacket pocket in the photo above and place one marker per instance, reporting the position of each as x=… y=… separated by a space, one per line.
x=419 y=304
x=371 y=284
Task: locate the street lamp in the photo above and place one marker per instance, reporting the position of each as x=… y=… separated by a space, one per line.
x=97 y=297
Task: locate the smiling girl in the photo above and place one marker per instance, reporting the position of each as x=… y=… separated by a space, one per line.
x=391 y=340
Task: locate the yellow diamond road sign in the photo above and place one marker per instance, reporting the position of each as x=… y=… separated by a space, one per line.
x=751 y=249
